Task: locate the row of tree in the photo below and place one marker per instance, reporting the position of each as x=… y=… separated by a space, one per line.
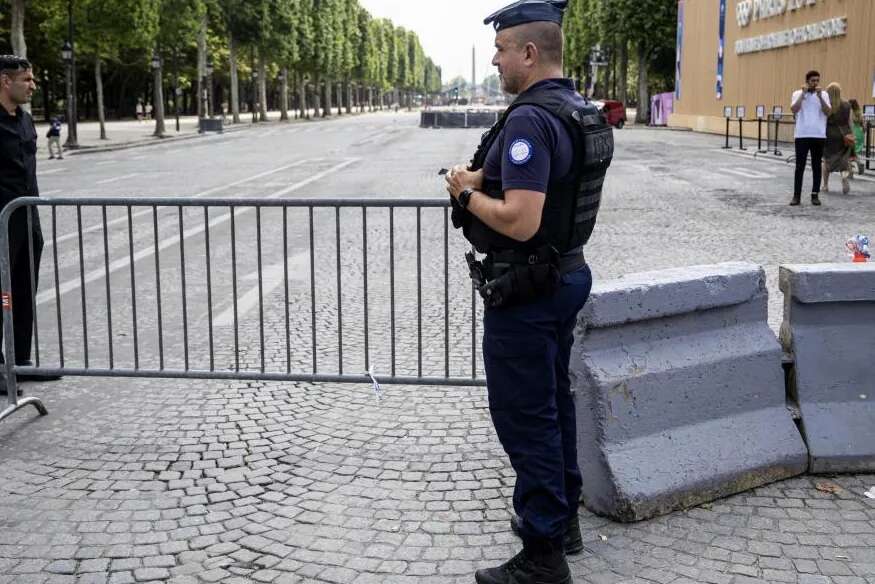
x=610 y=31
x=290 y=54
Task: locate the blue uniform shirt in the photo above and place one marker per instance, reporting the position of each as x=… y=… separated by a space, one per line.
x=533 y=148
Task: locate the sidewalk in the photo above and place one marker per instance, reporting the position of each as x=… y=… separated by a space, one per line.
x=122 y=134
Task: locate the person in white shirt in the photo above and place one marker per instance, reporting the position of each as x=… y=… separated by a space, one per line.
x=811 y=106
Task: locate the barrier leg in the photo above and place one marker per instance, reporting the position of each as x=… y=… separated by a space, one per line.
x=727 y=147
x=8 y=368
x=741 y=134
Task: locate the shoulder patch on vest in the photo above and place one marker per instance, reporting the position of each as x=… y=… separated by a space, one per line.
x=520 y=151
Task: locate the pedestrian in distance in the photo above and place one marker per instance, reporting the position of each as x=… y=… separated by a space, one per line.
x=148 y=111
x=839 y=139
x=859 y=136
x=140 y=110
x=18 y=179
x=54 y=136
x=812 y=106
x=529 y=201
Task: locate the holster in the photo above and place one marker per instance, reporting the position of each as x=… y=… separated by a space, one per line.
x=514 y=278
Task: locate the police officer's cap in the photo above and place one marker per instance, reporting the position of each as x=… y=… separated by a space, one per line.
x=525 y=11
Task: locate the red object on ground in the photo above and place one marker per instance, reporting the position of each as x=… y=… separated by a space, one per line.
x=860 y=258
x=615 y=112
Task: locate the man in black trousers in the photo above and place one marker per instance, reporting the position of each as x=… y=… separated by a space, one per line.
x=18 y=179
x=811 y=106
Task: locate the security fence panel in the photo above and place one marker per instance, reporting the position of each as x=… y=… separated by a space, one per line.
x=306 y=290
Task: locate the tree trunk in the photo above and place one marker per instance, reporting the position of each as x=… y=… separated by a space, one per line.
x=202 y=68
x=284 y=96
x=349 y=97
x=326 y=106
x=235 y=80
x=98 y=82
x=624 y=73
x=302 y=99
x=643 y=94
x=19 y=45
x=158 y=103
x=338 y=89
x=262 y=88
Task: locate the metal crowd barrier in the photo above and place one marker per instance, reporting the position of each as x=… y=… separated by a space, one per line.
x=340 y=290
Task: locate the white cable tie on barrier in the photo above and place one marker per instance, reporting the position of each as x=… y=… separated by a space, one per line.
x=377 y=389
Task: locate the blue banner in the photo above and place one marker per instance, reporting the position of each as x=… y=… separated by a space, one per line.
x=680 y=51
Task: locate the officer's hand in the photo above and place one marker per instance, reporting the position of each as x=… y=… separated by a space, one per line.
x=460 y=178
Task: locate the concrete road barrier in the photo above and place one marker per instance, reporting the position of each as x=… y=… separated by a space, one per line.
x=829 y=330
x=458 y=119
x=680 y=392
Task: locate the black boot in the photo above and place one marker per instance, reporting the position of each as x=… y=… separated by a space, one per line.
x=541 y=564
x=796 y=200
x=815 y=199
x=572 y=540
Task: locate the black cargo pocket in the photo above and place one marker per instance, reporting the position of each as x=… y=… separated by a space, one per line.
x=519 y=370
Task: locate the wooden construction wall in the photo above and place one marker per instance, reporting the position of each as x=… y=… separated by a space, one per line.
x=769 y=77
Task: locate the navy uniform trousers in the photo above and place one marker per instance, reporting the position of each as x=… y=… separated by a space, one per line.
x=526 y=350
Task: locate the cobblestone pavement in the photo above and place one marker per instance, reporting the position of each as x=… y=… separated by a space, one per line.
x=240 y=482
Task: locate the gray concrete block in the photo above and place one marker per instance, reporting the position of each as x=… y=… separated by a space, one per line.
x=829 y=329
x=680 y=392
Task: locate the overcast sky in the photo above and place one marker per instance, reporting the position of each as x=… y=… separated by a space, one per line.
x=447 y=30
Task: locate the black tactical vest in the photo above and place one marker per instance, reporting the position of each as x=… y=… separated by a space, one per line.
x=573 y=201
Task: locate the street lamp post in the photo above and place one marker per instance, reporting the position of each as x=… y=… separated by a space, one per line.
x=158 y=95
x=209 y=86
x=67 y=56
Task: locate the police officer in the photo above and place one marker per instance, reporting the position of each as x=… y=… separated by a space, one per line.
x=529 y=201
x=18 y=179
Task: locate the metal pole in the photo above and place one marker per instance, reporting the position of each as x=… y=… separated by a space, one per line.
x=777 y=134
x=176 y=91
x=727 y=147
x=868 y=144
x=72 y=133
x=759 y=135
x=741 y=134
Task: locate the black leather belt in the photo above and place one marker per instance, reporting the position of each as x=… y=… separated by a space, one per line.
x=568 y=262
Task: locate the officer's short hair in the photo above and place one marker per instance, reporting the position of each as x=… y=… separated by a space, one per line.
x=10 y=64
x=811 y=74
x=547 y=36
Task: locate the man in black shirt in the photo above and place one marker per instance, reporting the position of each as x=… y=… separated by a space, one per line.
x=18 y=179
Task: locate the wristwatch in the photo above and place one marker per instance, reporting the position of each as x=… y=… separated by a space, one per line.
x=465 y=197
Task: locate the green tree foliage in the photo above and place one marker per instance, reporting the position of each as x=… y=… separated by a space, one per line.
x=646 y=28
x=336 y=42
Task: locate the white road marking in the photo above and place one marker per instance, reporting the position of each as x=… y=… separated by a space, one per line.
x=118 y=178
x=75 y=283
x=272 y=277
x=746 y=173
x=47 y=193
x=105 y=162
x=52 y=171
x=202 y=194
